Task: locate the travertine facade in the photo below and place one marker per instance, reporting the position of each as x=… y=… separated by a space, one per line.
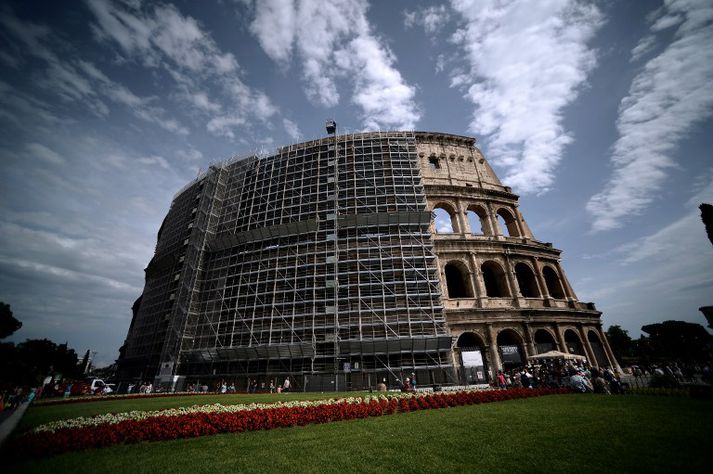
x=510 y=293
x=323 y=262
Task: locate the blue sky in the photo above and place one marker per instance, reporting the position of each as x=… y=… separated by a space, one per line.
x=599 y=114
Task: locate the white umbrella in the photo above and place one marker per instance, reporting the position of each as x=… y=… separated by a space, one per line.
x=558 y=355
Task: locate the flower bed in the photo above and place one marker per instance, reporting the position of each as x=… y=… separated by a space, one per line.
x=133 y=427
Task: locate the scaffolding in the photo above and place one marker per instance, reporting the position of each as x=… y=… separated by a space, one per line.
x=315 y=262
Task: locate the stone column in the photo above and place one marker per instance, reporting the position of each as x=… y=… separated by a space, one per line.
x=587 y=346
x=560 y=339
x=610 y=354
x=496 y=363
x=493 y=220
x=514 y=288
x=478 y=285
x=529 y=341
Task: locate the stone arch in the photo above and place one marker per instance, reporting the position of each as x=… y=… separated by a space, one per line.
x=473 y=358
x=508 y=223
x=445 y=219
x=477 y=218
x=494 y=279
x=544 y=341
x=573 y=342
x=526 y=280
x=458 y=280
x=553 y=282
x=511 y=347
x=597 y=348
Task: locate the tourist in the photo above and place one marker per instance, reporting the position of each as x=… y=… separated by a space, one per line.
x=272 y=386
x=407 y=385
x=502 y=383
x=286 y=385
x=413 y=381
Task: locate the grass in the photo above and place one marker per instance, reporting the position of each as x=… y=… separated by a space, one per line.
x=565 y=433
x=38 y=415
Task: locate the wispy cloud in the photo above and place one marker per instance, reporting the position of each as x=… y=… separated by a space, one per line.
x=160 y=36
x=37 y=150
x=292 y=129
x=334 y=40
x=526 y=62
x=79 y=81
x=667 y=98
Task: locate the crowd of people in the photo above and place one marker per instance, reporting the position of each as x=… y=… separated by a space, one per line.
x=253 y=386
x=559 y=373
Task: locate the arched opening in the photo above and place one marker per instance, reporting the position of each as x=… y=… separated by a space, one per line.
x=510 y=348
x=508 y=224
x=526 y=281
x=477 y=221
x=457 y=281
x=472 y=358
x=544 y=342
x=443 y=222
x=494 y=280
x=554 y=285
x=598 y=349
x=573 y=342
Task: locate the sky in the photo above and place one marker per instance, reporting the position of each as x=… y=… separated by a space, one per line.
x=598 y=114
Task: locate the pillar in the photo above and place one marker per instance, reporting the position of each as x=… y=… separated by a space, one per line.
x=587 y=347
x=496 y=364
x=560 y=339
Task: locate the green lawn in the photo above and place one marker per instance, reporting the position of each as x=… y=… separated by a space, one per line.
x=565 y=433
x=38 y=415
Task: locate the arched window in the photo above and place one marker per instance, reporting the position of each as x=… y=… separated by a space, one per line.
x=554 y=285
x=526 y=281
x=508 y=224
x=457 y=281
x=477 y=221
x=494 y=279
x=443 y=221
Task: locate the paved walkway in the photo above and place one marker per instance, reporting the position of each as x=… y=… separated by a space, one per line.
x=9 y=423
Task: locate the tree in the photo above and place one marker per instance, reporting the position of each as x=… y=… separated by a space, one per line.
x=620 y=341
x=678 y=340
x=707 y=218
x=8 y=324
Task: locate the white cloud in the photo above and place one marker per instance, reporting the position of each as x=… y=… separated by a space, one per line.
x=154 y=160
x=278 y=18
x=160 y=36
x=526 y=63
x=40 y=151
x=334 y=40
x=292 y=129
x=666 y=99
x=432 y=18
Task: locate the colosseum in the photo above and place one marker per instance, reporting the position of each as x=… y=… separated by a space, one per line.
x=351 y=259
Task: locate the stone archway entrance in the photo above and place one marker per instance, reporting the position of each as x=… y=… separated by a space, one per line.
x=544 y=342
x=574 y=343
x=473 y=359
x=510 y=346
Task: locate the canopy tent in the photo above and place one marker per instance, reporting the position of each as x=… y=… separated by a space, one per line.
x=558 y=355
